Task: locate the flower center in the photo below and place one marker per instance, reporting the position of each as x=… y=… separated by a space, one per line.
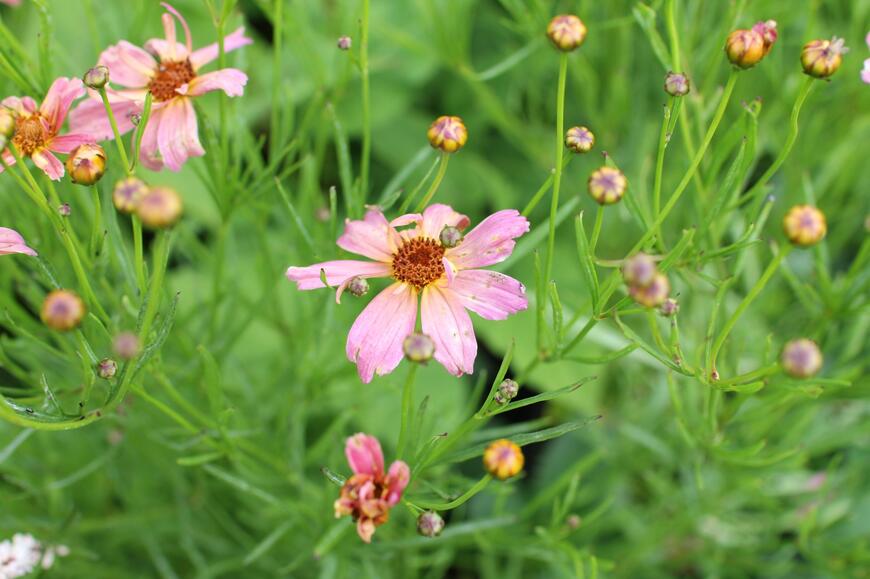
x=170 y=77
x=418 y=262
x=30 y=134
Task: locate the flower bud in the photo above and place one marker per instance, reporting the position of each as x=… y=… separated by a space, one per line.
x=64 y=210
x=358 y=286
x=677 y=84
x=652 y=295
x=127 y=194
x=801 y=358
x=767 y=30
x=106 y=368
x=804 y=225
x=503 y=459
x=822 y=58
x=669 y=308
x=430 y=524
x=450 y=236
x=579 y=139
x=500 y=399
x=745 y=48
x=639 y=270
x=566 y=32
x=344 y=42
x=159 y=207
x=126 y=345
x=96 y=77
x=447 y=134
x=418 y=348
x=607 y=185
x=62 y=310
x=135 y=118
x=7 y=123
x=509 y=389
x=86 y=164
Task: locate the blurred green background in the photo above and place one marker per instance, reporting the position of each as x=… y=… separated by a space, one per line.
x=262 y=365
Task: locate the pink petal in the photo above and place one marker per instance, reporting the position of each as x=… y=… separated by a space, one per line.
x=491 y=241
x=11 y=2
x=364 y=455
x=128 y=65
x=20 y=106
x=437 y=217
x=230 y=80
x=67 y=143
x=375 y=339
x=178 y=135
x=372 y=237
x=149 y=154
x=865 y=74
x=365 y=528
x=90 y=118
x=489 y=294
x=49 y=164
x=164 y=51
x=338 y=273
x=407 y=219
x=8 y=158
x=397 y=480
x=60 y=96
x=448 y=324
x=12 y=242
x=207 y=54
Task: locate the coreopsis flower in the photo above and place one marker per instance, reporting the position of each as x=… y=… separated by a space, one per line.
x=37 y=127
x=822 y=58
x=804 y=225
x=567 y=32
x=448 y=282
x=369 y=494
x=503 y=459
x=12 y=242
x=171 y=72
x=447 y=134
x=579 y=139
x=62 y=310
x=745 y=48
x=767 y=30
x=607 y=185
x=801 y=358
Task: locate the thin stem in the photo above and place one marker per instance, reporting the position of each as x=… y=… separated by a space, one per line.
x=122 y=151
x=277 y=139
x=596 y=230
x=407 y=410
x=660 y=162
x=442 y=169
x=96 y=231
x=138 y=258
x=366 y=102
x=161 y=250
x=539 y=194
x=557 y=176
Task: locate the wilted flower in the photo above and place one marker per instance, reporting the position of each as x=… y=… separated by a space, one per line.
x=369 y=494
x=677 y=84
x=607 y=185
x=767 y=30
x=822 y=58
x=127 y=194
x=447 y=134
x=566 y=32
x=106 y=368
x=503 y=459
x=170 y=71
x=804 y=225
x=96 y=77
x=62 y=310
x=745 y=48
x=418 y=348
x=653 y=294
x=801 y=358
x=579 y=139
x=448 y=281
x=87 y=164
x=159 y=207
x=639 y=270
x=12 y=242
x=126 y=345
x=430 y=524
x=344 y=42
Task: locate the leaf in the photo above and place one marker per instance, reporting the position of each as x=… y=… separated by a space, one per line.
x=587 y=261
x=543 y=397
x=646 y=18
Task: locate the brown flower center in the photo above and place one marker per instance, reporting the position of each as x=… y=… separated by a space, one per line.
x=418 y=262
x=30 y=134
x=170 y=77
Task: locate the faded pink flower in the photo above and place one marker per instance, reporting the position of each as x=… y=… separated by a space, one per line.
x=447 y=280
x=37 y=127
x=865 y=74
x=12 y=242
x=170 y=71
x=368 y=495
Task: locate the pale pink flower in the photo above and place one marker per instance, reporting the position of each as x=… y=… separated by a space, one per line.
x=369 y=494
x=170 y=71
x=11 y=2
x=37 y=127
x=865 y=74
x=447 y=280
x=12 y=242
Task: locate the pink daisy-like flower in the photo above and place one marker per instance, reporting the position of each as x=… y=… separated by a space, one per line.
x=12 y=242
x=369 y=494
x=447 y=280
x=865 y=74
x=37 y=127
x=170 y=71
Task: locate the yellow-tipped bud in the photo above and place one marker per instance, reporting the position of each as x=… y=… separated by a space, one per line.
x=127 y=194
x=745 y=48
x=579 y=139
x=607 y=185
x=503 y=459
x=566 y=32
x=447 y=134
x=653 y=294
x=159 y=208
x=86 y=164
x=7 y=123
x=804 y=225
x=62 y=310
x=822 y=58
x=801 y=358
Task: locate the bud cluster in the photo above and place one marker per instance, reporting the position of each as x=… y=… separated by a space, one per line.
x=507 y=391
x=646 y=285
x=157 y=207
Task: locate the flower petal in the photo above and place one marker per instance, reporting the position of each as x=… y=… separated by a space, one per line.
x=230 y=80
x=372 y=237
x=178 y=135
x=60 y=96
x=67 y=143
x=337 y=273
x=397 y=480
x=128 y=65
x=149 y=153
x=489 y=294
x=364 y=455
x=207 y=54
x=448 y=324
x=492 y=241
x=49 y=164
x=365 y=528
x=375 y=339
x=20 y=105
x=438 y=216
x=90 y=118
x=12 y=242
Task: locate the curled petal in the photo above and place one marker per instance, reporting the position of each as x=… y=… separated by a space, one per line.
x=364 y=455
x=230 y=80
x=178 y=135
x=489 y=294
x=375 y=339
x=49 y=164
x=397 y=480
x=492 y=241
x=372 y=237
x=448 y=324
x=128 y=65
x=207 y=54
x=438 y=216
x=12 y=242
x=60 y=96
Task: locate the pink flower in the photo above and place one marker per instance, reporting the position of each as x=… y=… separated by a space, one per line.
x=170 y=71
x=865 y=74
x=37 y=127
x=447 y=280
x=12 y=242
x=369 y=495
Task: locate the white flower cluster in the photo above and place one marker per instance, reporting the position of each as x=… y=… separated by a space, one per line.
x=20 y=555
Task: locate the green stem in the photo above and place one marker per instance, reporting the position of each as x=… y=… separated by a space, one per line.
x=750 y=376
x=407 y=410
x=96 y=231
x=138 y=251
x=366 y=103
x=161 y=252
x=660 y=163
x=122 y=151
x=539 y=194
x=596 y=230
x=276 y=140
x=442 y=170
x=557 y=176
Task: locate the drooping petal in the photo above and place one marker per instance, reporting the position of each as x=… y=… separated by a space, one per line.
x=12 y=242
x=60 y=96
x=178 y=136
x=364 y=455
x=90 y=118
x=372 y=237
x=374 y=342
x=397 y=480
x=492 y=241
x=128 y=65
x=230 y=80
x=67 y=143
x=448 y=324
x=149 y=153
x=438 y=216
x=208 y=53
x=365 y=528
x=20 y=105
x=337 y=272
x=489 y=294
x=49 y=164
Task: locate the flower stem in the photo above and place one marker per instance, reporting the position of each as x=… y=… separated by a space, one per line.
x=407 y=410
x=138 y=254
x=442 y=169
x=122 y=151
x=596 y=230
x=557 y=176
x=161 y=251
x=539 y=194
x=366 y=103
x=96 y=231
x=660 y=163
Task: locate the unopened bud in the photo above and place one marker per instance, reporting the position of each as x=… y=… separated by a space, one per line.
x=96 y=77
x=669 y=308
x=804 y=225
x=344 y=42
x=430 y=524
x=86 y=164
x=127 y=194
x=822 y=58
x=62 y=310
x=126 y=345
x=639 y=270
x=652 y=295
x=7 y=123
x=159 y=208
x=566 y=32
x=677 y=84
x=500 y=399
x=135 y=118
x=607 y=185
x=573 y=522
x=450 y=236
x=801 y=358
x=745 y=48
x=447 y=134
x=418 y=348
x=579 y=139
x=503 y=459
x=106 y=368
x=358 y=286
x=64 y=210
x=767 y=30
x=509 y=389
